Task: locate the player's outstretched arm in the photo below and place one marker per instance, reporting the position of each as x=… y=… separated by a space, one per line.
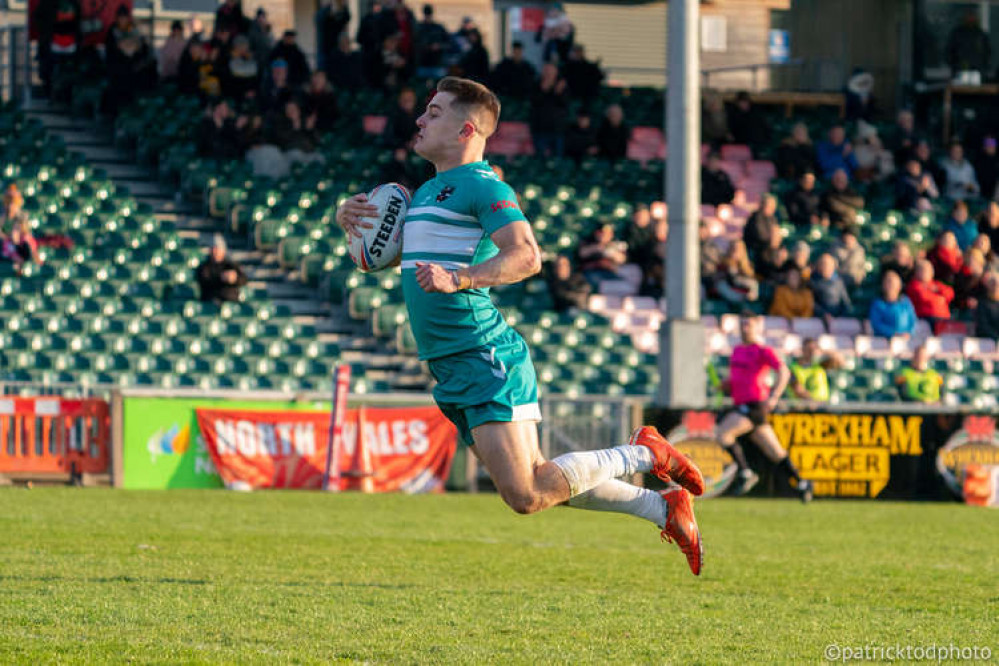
x=519 y=258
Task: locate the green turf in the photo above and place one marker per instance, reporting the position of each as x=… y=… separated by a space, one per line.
x=207 y=576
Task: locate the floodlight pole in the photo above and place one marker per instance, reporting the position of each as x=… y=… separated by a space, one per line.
x=681 y=344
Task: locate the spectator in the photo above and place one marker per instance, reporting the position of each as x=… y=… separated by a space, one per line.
x=388 y=70
x=653 y=276
x=549 y=113
x=711 y=256
x=892 y=314
x=919 y=382
x=287 y=50
x=736 y=281
x=901 y=139
x=796 y=154
x=460 y=41
x=346 y=70
x=924 y=154
x=716 y=186
x=475 y=63
x=747 y=125
x=714 y=121
x=400 y=170
x=581 y=137
x=196 y=74
x=835 y=153
x=859 y=96
x=220 y=278
x=931 y=299
x=984 y=245
x=874 y=163
x=241 y=80
x=770 y=263
x=799 y=260
x=569 y=290
x=294 y=135
x=13 y=202
x=987 y=168
x=229 y=16
x=761 y=226
x=261 y=39
x=399 y=20
x=319 y=100
x=131 y=65
x=802 y=202
x=217 y=135
x=915 y=189
x=556 y=35
x=959 y=223
x=851 y=257
x=600 y=255
x=430 y=44
x=218 y=50
x=945 y=255
x=969 y=284
x=59 y=37
x=900 y=261
x=400 y=127
x=514 y=76
x=276 y=90
x=331 y=23
x=369 y=38
x=987 y=312
x=968 y=47
x=172 y=51
x=793 y=298
x=959 y=174
x=582 y=77
x=831 y=296
x=639 y=234
x=613 y=135
x=988 y=223
x=841 y=203
x=809 y=378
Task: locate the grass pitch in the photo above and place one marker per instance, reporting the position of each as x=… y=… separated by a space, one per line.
x=210 y=576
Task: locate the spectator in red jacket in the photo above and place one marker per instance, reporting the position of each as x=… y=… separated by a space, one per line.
x=930 y=298
x=946 y=258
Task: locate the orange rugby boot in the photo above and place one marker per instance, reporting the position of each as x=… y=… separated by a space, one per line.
x=681 y=526
x=670 y=464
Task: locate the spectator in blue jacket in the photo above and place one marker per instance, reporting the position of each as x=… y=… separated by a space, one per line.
x=831 y=297
x=963 y=227
x=892 y=314
x=836 y=153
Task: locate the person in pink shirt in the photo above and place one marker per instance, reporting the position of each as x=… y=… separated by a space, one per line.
x=750 y=368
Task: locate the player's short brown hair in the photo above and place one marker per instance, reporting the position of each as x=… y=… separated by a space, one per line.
x=475 y=99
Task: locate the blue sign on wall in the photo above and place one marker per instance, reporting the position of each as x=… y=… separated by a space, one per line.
x=779 y=46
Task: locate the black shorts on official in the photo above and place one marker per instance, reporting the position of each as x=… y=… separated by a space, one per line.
x=756 y=412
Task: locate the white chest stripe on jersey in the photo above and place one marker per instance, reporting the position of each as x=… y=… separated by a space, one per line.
x=441 y=212
x=450 y=265
x=433 y=237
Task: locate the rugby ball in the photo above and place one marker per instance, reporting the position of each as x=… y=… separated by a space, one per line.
x=380 y=245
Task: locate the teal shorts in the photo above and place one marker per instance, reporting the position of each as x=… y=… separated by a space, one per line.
x=494 y=382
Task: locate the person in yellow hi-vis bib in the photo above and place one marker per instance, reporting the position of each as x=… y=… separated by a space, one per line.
x=919 y=382
x=809 y=379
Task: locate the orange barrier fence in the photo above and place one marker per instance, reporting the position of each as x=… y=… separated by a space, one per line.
x=54 y=435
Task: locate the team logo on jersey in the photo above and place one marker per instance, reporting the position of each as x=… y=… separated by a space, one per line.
x=445 y=193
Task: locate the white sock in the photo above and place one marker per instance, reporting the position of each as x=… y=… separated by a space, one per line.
x=623 y=497
x=588 y=469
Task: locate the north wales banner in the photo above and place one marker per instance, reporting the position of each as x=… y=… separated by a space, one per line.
x=407 y=449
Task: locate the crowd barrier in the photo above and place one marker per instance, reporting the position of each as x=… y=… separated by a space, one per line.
x=895 y=452
x=54 y=436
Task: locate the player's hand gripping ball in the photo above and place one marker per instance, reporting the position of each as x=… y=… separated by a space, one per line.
x=373 y=223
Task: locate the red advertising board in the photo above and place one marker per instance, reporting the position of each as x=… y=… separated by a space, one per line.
x=383 y=449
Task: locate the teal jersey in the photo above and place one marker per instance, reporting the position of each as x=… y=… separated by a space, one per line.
x=449 y=223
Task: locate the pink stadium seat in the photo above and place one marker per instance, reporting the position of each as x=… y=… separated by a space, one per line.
x=729 y=324
x=604 y=302
x=872 y=346
x=808 y=327
x=709 y=321
x=707 y=210
x=639 y=303
x=922 y=331
x=717 y=342
x=648 y=134
x=735 y=170
x=761 y=170
x=980 y=348
x=736 y=152
x=945 y=346
x=642 y=152
x=845 y=326
x=838 y=343
x=776 y=324
x=374 y=124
